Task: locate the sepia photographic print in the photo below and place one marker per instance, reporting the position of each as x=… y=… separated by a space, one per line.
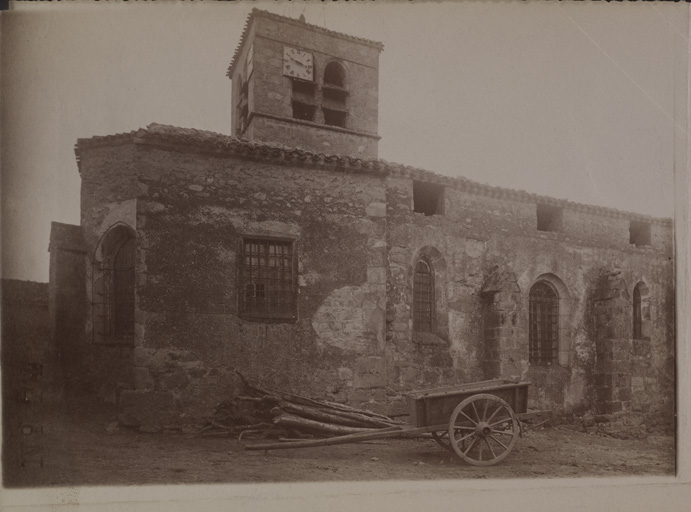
x=309 y=255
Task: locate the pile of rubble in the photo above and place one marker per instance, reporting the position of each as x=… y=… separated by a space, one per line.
x=279 y=415
x=625 y=426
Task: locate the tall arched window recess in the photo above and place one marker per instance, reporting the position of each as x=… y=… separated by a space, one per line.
x=641 y=311
x=334 y=74
x=543 y=324
x=334 y=95
x=423 y=297
x=113 y=291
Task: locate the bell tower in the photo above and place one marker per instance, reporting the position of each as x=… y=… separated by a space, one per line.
x=304 y=86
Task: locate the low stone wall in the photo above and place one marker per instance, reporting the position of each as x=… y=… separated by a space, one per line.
x=31 y=384
x=27 y=353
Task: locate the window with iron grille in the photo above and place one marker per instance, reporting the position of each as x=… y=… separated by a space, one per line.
x=268 y=288
x=113 y=291
x=637 y=312
x=641 y=312
x=544 y=324
x=123 y=290
x=423 y=298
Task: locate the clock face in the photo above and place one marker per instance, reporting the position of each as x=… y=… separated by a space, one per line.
x=298 y=63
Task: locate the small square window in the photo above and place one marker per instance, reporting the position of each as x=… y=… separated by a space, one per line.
x=639 y=233
x=428 y=198
x=302 y=87
x=334 y=117
x=549 y=218
x=303 y=111
x=268 y=288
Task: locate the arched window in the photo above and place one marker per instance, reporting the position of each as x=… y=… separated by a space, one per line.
x=334 y=74
x=423 y=297
x=334 y=95
x=544 y=324
x=113 y=291
x=641 y=312
x=123 y=289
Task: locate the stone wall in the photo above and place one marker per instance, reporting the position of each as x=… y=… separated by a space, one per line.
x=489 y=255
x=67 y=304
x=361 y=64
x=26 y=339
x=30 y=375
x=357 y=239
x=88 y=369
x=191 y=216
x=323 y=139
x=270 y=93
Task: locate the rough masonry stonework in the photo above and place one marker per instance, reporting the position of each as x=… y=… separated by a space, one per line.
x=369 y=279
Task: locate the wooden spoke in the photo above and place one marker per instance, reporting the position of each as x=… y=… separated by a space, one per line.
x=464 y=414
x=470 y=447
x=502 y=432
x=465 y=437
x=498 y=441
x=494 y=455
x=475 y=445
x=477 y=414
x=503 y=420
x=494 y=414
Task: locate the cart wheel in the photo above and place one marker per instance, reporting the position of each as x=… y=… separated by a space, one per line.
x=483 y=429
x=442 y=439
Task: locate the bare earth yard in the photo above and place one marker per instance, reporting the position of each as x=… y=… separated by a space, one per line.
x=80 y=451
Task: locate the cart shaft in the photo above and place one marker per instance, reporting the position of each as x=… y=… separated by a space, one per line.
x=384 y=433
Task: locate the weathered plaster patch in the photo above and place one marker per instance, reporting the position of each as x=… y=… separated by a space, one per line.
x=473 y=248
x=243 y=222
x=341 y=322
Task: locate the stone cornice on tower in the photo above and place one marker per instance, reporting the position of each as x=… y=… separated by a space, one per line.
x=261 y=13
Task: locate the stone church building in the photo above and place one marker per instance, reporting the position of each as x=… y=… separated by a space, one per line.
x=289 y=252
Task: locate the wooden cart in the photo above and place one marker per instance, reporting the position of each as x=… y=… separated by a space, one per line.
x=479 y=421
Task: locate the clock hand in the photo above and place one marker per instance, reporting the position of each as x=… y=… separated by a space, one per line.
x=302 y=63
x=300 y=60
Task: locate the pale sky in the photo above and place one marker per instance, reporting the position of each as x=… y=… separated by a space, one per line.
x=572 y=100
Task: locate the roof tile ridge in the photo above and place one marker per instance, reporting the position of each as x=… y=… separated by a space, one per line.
x=510 y=193
x=280 y=152
x=104 y=140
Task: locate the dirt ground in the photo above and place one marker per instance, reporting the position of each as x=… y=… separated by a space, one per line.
x=83 y=451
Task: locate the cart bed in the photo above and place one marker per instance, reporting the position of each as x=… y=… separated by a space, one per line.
x=434 y=406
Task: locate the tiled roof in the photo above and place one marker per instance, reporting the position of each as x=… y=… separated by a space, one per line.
x=102 y=140
x=186 y=139
x=108 y=140
x=258 y=12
